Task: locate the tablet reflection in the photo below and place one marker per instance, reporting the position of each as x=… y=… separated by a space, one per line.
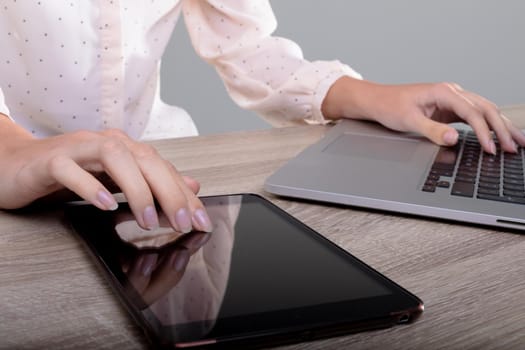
x=129 y=231
x=154 y=272
x=181 y=278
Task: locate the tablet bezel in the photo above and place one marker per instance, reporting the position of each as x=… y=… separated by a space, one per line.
x=262 y=329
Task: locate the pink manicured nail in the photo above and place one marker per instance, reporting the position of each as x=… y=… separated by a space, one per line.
x=450 y=137
x=183 y=220
x=151 y=219
x=492 y=147
x=107 y=200
x=202 y=220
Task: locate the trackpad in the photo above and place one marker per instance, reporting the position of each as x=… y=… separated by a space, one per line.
x=369 y=146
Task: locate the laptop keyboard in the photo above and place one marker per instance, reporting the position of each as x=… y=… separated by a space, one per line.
x=466 y=171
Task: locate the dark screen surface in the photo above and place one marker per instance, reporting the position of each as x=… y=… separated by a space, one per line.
x=259 y=272
x=276 y=266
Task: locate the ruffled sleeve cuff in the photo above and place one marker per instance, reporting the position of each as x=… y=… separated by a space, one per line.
x=300 y=99
x=319 y=93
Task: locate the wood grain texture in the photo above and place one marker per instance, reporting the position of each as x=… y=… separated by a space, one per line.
x=470 y=278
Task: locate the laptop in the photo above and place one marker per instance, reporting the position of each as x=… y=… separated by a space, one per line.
x=364 y=164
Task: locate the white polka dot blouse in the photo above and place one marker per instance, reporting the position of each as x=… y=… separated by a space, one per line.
x=68 y=65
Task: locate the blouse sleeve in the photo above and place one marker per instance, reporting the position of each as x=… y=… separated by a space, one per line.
x=3 y=106
x=263 y=73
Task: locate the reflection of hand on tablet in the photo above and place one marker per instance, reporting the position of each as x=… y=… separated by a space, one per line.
x=181 y=277
x=199 y=293
x=129 y=231
x=155 y=272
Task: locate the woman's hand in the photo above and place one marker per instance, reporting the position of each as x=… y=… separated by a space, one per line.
x=422 y=108
x=33 y=168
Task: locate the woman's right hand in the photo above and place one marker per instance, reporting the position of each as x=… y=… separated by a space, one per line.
x=33 y=168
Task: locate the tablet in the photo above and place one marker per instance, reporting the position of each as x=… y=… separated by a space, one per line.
x=260 y=278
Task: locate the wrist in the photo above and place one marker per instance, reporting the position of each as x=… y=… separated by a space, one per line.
x=12 y=134
x=349 y=98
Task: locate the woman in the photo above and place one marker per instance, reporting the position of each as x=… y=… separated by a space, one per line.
x=79 y=92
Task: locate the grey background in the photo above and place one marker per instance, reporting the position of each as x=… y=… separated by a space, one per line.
x=478 y=44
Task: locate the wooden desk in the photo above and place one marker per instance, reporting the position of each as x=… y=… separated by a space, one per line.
x=470 y=278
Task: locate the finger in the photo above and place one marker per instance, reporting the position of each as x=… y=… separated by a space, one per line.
x=68 y=173
x=439 y=133
x=120 y=164
x=495 y=121
x=517 y=133
x=170 y=191
x=200 y=219
x=167 y=275
x=446 y=97
x=180 y=204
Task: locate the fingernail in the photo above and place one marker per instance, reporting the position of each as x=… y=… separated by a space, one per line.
x=148 y=264
x=183 y=220
x=492 y=147
x=202 y=220
x=180 y=259
x=450 y=137
x=151 y=219
x=107 y=200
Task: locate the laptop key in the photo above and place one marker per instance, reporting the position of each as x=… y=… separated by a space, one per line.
x=507 y=199
x=486 y=179
x=516 y=194
x=441 y=172
x=443 y=184
x=513 y=187
x=493 y=174
x=494 y=192
x=463 y=189
x=429 y=188
x=489 y=185
x=518 y=182
x=467 y=179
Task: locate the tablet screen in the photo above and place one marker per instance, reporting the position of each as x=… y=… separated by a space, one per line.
x=258 y=270
x=276 y=266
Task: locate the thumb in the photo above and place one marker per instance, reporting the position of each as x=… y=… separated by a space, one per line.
x=439 y=133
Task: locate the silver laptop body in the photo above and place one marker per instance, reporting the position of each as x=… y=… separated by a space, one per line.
x=366 y=165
